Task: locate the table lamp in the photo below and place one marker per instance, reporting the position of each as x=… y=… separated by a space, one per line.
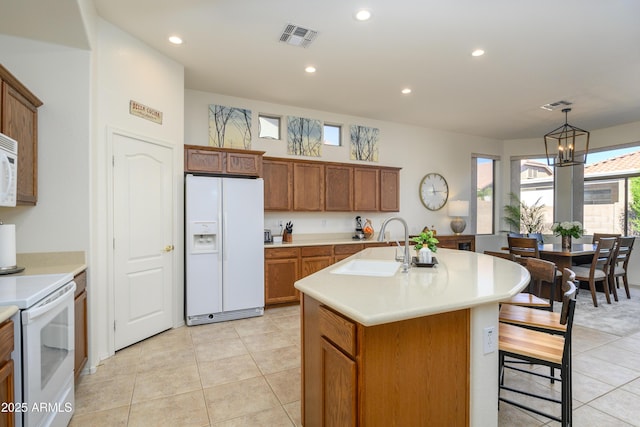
x=458 y=209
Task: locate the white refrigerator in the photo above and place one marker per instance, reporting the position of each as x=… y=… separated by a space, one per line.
x=224 y=248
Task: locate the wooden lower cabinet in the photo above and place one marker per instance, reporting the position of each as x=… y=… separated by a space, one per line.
x=80 y=312
x=463 y=242
x=284 y=265
x=315 y=258
x=341 y=252
x=339 y=379
x=408 y=373
x=7 y=418
x=281 y=270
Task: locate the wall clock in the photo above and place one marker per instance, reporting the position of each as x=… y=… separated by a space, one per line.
x=434 y=191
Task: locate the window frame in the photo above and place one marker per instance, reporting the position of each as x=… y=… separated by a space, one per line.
x=473 y=202
x=332 y=125
x=272 y=117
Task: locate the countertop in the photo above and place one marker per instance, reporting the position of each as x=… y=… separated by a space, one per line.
x=51 y=263
x=6 y=311
x=461 y=279
x=322 y=239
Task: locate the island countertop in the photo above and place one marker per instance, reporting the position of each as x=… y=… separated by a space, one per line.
x=461 y=279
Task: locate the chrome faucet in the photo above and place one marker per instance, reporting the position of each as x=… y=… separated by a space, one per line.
x=407 y=259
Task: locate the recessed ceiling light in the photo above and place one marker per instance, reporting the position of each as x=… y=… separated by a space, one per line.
x=406 y=91
x=363 y=15
x=175 y=40
x=477 y=52
x=310 y=69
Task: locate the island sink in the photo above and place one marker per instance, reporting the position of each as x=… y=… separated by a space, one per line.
x=368 y=267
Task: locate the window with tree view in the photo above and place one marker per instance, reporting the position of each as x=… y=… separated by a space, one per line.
x=536 y=193
x=612 y=192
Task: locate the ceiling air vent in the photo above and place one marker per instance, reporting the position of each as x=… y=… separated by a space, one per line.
x=556 y=105
x=297 y=36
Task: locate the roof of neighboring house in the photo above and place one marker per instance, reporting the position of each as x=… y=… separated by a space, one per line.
x=624 y=163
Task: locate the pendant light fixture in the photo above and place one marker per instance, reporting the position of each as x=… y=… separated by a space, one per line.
x=566 y=145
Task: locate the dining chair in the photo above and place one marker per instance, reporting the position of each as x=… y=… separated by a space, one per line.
x=523 y=247
x=598 y=236
x=537 y=236
x=526 y=299
x=598 y=269
x=620 y=263
x=537 y=347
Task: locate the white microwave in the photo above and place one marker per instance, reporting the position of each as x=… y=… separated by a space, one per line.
x=8 y=170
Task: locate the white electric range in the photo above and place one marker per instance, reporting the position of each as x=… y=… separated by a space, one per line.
x=44 y=349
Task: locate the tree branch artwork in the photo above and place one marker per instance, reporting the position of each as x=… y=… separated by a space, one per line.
x=304 y=136
x=364 y=143
x=229 y=127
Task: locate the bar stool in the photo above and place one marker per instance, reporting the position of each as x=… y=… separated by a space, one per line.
x=541 y=348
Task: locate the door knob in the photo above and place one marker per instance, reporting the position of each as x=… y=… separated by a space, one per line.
x=168 y=248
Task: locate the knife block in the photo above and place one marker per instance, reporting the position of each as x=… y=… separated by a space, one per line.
x=287 y=237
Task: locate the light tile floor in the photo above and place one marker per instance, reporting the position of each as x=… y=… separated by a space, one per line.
x=247 y=373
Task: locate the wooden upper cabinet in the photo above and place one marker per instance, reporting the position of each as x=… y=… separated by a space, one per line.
x=366 y=192
x=278 y=185
x=390 y=190
x=239 y=163
x=338 y=188
x=201 y=160
x=308 y=186
x=19 y=120
x=222 y=161
x=313 y=186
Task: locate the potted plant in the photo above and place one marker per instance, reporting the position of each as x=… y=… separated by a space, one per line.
x=520 y=216
x=568 y=229
x=426 y=238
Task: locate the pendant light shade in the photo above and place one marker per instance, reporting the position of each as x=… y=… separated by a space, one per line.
x=566 y=145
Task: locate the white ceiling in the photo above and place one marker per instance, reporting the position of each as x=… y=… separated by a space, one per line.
x=583 y=51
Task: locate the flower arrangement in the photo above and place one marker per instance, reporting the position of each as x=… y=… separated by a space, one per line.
x=427 y=239
x=568 y=228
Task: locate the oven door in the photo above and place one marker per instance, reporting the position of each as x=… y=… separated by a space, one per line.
x=48 y=355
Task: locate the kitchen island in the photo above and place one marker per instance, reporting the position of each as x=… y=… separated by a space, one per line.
x=405 y=349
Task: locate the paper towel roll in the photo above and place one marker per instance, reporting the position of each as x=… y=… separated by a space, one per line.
x=7 y=245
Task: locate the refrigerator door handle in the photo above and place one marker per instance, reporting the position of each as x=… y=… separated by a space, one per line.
x=224 y=235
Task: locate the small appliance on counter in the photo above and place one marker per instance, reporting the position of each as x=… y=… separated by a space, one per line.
x=359 y=233
x=8 y=249
x=268 y=237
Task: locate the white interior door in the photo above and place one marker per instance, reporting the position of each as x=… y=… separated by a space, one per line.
x=143 y=239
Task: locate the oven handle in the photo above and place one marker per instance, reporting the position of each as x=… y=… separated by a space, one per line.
x=51 y=302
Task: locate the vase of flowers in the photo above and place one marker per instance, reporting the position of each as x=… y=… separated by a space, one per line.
x=567 y=230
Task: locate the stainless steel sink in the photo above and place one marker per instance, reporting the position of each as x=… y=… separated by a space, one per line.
x=368 y=267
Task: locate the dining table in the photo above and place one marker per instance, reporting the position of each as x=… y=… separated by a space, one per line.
x=565 y=258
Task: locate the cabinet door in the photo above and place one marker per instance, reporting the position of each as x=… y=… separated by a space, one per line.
x=339 y=405
x=80 y=313
x=7 y=418
x=203 y=161
x=338 y=188
x=279 y=277
x=243 y=164
x=278 y=185
x=366 y=194
x=389 y=190
x=20 y=122
x=308 y=190
x=312 y=264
